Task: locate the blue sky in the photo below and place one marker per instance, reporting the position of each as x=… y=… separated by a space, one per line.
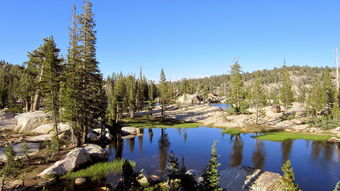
x=188 y=38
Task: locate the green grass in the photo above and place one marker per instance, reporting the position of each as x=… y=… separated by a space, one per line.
x=282 y=136
x=233 y=131
x=144 y=122
x=98 y=170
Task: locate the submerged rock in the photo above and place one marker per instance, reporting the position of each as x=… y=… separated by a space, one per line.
x=242 y=178
x=73 y=160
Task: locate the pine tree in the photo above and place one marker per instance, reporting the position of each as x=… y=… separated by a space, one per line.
x=36 y=70
x=211 y=176
x=258 y=96
x=236 y=87
x=288 y=179
x=70 y=91
x=315 y=99
x=328 y=88
x=164 y=95
x=286 y=91
x=84 y=93
x=131 y=92
x=51 y=80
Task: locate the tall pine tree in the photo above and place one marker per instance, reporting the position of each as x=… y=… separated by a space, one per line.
x=286 y=89
x=236 y=86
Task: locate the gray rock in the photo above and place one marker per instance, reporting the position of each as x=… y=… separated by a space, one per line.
x=130 y=131
x=79 y=181
x=242 y=178
x=26 y=122
x=93 y=136
x=47 y=128
x=106 y=133
x=73 y=160
x=334 y=140
x=96 y=152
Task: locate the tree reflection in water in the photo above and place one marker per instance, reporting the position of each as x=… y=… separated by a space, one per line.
x=131 y=143
x=185 y=136
x=118 y=146
x=286 y=148
x=150 y=135
x=316 y=149
x=163 y=145
x=236 y=155
x=140 y=141
x=258 y=155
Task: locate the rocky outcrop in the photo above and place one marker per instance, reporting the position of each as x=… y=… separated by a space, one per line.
x=76 y=158
x=95 y=151
x=47 y=128
x=189 y=99
x=26 y=122
x=212 y=98
x=73 y=160
x=130 y=131
x=94 y=134
x=242 y=178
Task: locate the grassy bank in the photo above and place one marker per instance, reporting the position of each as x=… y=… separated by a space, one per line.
x=282 y=136
x=98 y=170
x=149 y=122
x=247 y=129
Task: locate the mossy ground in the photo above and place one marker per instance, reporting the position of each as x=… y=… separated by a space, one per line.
x=282 y=136
x=98 y=170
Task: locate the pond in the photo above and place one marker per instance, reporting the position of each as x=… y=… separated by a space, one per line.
x=223 y=106
x=316 y=164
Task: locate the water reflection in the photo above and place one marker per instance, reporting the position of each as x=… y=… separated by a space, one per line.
x=140 y=141
x=164 y=144
x=118 y=146
x=150 y=135
x=258 y=155
x=237 y=149
x=316 y=149
x=236 y=156
x=286 y=148
x=131 y=142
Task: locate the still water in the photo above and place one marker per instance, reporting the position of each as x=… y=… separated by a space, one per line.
x=223 y=106
x=316 y=164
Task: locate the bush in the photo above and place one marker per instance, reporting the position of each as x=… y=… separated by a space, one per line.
x=287 y=116
x=177 y=175
x=323 y=122
x=288 y=179
x=52 y=148
x=129 y=179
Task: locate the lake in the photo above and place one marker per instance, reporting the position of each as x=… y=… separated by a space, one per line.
x=316 y=164
x=223 y=106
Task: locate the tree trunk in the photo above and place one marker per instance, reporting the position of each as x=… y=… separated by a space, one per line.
x=162 y=111
x=27 y=105
x=117 y=115
x=37 y=96
x=73 y=138
x=132 y=114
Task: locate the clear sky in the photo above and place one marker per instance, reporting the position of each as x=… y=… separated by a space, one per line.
x=188 y=38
